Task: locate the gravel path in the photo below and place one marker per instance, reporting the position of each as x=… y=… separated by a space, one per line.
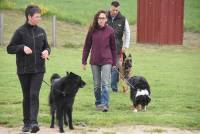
x=135 y=129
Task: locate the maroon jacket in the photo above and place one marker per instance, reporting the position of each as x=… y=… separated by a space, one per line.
x=102 y=45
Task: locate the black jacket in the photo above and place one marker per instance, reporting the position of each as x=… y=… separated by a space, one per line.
x=35 y=38
x=118 y=24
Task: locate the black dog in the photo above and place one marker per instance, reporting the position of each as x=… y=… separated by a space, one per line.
x=140 y=93
x=61 y=98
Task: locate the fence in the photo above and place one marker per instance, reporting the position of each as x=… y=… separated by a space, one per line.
x=1 y=29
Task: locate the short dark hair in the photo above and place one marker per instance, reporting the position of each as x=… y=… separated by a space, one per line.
x=115 y=4
x=31 y=10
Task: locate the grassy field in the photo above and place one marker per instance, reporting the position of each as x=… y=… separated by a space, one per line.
x=192 y=15
x=81 y=12
x=172 y=71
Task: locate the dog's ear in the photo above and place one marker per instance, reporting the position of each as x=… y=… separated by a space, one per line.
x=129 y=55
x=73 y=74
x=67 y=73
x=82 y=84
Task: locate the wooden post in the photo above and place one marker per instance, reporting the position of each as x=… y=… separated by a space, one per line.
x=54 y=31
x=1 y=28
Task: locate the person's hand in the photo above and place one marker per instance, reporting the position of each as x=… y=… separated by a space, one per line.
x=45 y=54
x=114 y=67
x=124 y=50
x=27 y=50
x=84 y=67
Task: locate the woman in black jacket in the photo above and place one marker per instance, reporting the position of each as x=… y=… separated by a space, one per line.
x=30 y=45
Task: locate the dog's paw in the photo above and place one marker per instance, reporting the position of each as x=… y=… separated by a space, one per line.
x=71 y=128
x=124 y=89
x=135 y=110
x=144 y=109
x=51 y=126
x=62 y=131
x=66 y=123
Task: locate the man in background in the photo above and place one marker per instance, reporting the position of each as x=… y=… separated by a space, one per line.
x=121 y=27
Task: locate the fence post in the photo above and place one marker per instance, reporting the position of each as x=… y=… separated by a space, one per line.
x=54 y=31
x=1 y=28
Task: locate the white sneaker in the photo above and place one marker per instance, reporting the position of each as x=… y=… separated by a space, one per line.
x=99 y=107
x=105 y=108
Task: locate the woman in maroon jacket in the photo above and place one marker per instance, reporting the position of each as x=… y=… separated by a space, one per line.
x=100 y=41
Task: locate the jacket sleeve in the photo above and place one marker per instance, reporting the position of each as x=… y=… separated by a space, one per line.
x=46 y=44
x=15 y=46
x=86 y=48
x=113 y=48
x=126 y=34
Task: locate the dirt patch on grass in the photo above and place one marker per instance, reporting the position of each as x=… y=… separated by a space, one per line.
x=136 y=129
x=192 y=39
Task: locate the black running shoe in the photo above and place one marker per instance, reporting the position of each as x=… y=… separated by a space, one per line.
x=34 y=128
x=26 y=128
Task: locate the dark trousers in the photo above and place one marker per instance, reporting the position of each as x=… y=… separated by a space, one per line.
x=31 y=84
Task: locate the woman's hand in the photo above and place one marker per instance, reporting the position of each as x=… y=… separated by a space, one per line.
x=84 y=67
x=124 y=50
x=45 y=54
x=114 y=67
x=27 y=50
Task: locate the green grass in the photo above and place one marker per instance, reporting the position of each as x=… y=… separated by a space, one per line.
x=192 y=15
x=79 y=11
x=172 y=71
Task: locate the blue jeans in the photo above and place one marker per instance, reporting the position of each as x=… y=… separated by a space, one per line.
x=101 y=77
x=115 y=75
x=114 y=79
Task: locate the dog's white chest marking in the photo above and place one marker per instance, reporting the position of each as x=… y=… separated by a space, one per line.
x=142 y=92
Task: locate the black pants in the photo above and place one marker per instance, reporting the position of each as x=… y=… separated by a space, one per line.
x=31 y=84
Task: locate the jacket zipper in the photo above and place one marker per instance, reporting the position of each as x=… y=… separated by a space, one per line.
x=34 y=46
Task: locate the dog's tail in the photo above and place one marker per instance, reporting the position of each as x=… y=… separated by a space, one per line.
x=54 y=76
